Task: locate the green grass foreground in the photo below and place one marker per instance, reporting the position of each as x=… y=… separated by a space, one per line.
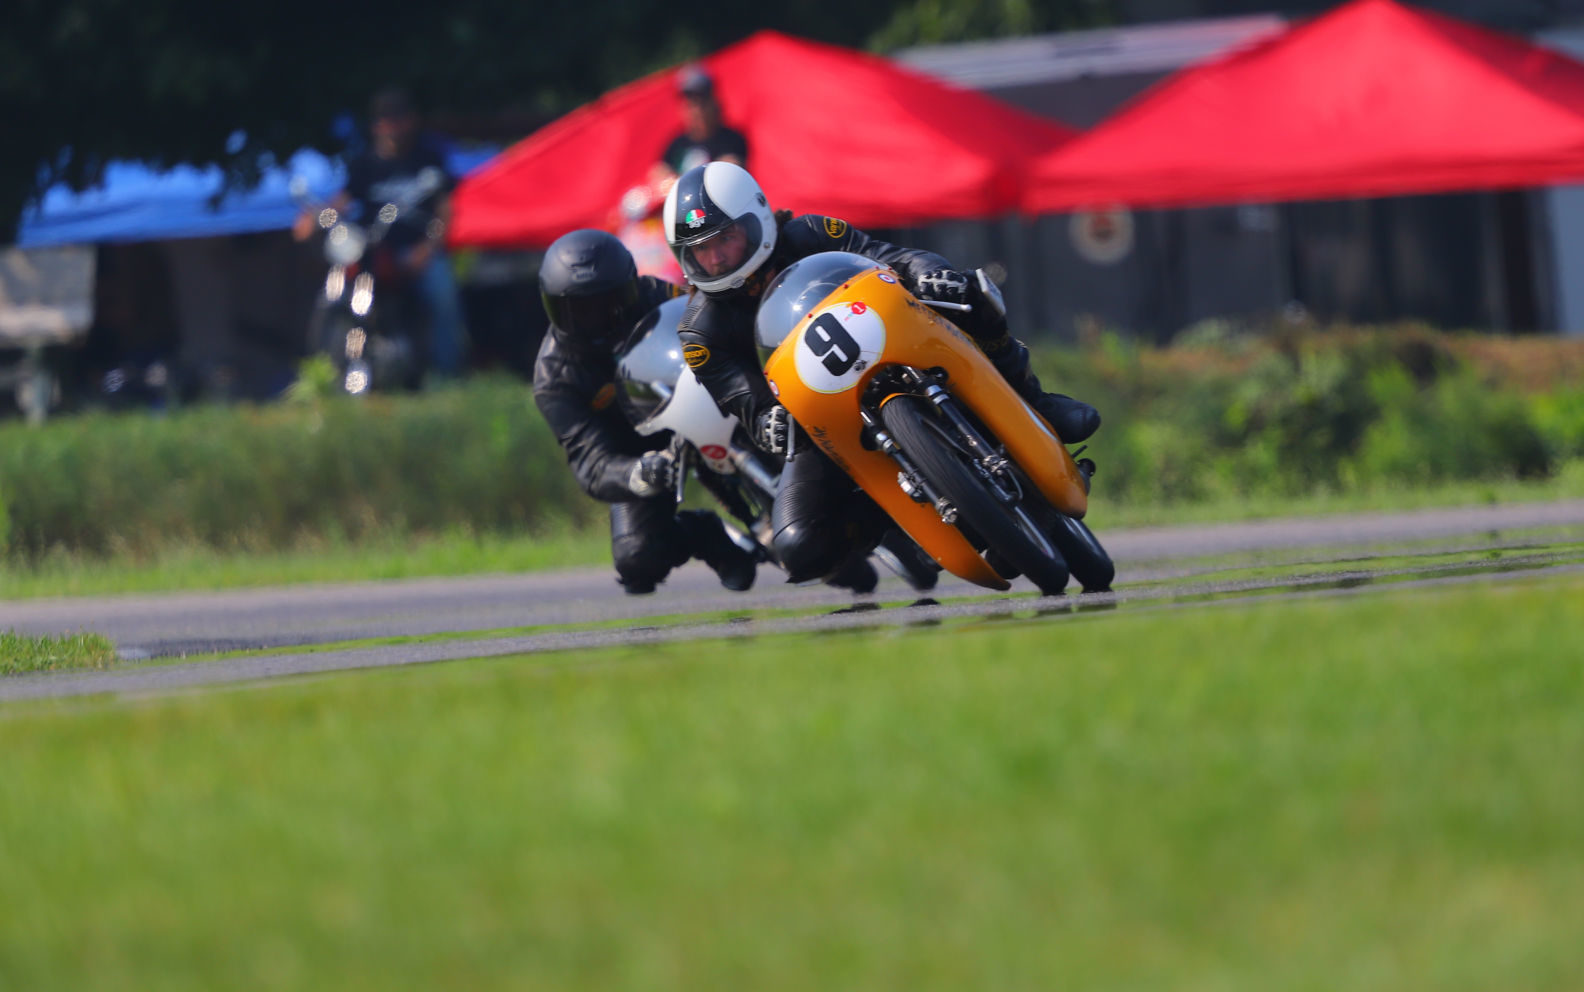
x=20 y=653
x=1339 y=792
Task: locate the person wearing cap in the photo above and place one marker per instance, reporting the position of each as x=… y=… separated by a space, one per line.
x=397 y=161
x=704 y=138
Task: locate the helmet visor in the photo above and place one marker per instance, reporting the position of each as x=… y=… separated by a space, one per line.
x=602 y=318
x=721 y=252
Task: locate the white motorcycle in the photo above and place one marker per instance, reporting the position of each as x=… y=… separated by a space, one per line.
x=659 y=392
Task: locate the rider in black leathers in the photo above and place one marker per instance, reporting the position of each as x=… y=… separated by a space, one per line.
x=593 y=296
x=730 y=245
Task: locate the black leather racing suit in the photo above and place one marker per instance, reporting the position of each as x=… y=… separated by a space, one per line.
x=575 y=390
x=821 y=519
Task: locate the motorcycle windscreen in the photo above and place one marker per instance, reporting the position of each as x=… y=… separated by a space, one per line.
x=799 y=288
x=649 y=362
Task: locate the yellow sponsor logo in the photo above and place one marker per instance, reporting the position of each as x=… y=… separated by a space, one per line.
x=834 y=227
x=695 y=355
x=606 y=396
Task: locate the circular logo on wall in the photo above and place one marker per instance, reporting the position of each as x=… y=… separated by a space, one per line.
x=1103 y=237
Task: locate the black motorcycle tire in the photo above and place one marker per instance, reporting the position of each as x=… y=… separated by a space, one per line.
x=1007 y=530
x=1086 y=559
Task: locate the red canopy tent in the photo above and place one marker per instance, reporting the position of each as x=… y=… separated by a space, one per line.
x=1372 y=99
x=829 y=131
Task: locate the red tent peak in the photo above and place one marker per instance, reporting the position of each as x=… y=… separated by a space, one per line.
x=1371 y=98
x=1381 y=27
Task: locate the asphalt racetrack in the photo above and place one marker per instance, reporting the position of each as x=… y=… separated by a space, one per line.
x=264 y=633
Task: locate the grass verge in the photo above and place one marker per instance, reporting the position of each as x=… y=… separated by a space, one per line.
x=386 y=557
x=20 y=653
x=1345 y=792
x=470 y=553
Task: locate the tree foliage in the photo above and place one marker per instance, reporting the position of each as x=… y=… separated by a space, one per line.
x=165 y=81
x=932 y=22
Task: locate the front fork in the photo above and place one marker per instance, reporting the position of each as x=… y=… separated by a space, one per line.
x=991 y=463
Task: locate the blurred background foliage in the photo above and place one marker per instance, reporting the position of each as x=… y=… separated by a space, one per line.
x=1227 y=414
x=1219 y=415
x=166 y=81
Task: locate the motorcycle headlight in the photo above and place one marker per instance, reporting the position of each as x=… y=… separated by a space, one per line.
x=344 y=244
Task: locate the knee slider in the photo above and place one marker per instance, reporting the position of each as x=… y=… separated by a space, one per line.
x=808 y=551
x=641 y=560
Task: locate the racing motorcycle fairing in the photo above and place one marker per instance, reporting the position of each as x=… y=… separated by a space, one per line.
x=830 y=323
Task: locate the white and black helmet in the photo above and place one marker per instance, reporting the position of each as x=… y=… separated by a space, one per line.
x=707 y=202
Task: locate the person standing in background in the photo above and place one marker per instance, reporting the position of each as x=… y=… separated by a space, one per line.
x=397 y=159
x=705 y=137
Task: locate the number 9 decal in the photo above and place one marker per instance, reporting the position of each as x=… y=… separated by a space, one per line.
x=838 y=345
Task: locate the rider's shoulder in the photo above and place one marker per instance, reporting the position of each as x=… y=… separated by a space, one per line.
x=816 y=232
x=561 y=365
x=702 y=312
x=716 y=318
x=550 y=365
x=653 y=291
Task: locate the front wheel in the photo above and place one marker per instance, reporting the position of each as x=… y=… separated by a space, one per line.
x=1007 y=530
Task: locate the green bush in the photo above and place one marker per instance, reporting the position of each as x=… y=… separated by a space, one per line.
x=248 y=478
x=1291 y=413
x=1455 y=429
x=1220 y=415
x=1559 y=417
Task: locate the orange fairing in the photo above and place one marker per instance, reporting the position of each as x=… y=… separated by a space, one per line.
x=821 y=385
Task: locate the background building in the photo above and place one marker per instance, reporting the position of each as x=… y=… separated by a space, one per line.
x=1491 y=261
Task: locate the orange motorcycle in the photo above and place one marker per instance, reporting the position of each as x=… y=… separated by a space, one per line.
x=913 y=411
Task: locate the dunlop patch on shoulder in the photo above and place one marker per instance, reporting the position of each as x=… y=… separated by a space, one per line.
x=835 y=227
x=605 y=397
x=695 y=355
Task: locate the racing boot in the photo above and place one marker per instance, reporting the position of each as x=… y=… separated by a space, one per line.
x=856 y=574
x=1072 y=419
x=902 y=555
x=709 y=542
x=635 y=586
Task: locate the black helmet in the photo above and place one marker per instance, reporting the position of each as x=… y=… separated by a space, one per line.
x=589 y=284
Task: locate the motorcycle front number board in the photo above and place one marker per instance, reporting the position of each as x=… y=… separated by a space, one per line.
x=838 y=345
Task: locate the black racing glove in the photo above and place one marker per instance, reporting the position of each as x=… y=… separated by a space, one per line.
x=653 y=473
x=947 y=286
x=771 y=430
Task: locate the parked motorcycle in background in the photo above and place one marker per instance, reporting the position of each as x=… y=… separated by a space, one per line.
x=367 y=320
x=659 y=392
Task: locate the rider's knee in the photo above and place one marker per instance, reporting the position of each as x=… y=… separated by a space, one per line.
x=642 y=560
x=808 y=551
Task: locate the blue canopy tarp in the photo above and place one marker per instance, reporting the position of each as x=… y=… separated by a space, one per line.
x=135 y=202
